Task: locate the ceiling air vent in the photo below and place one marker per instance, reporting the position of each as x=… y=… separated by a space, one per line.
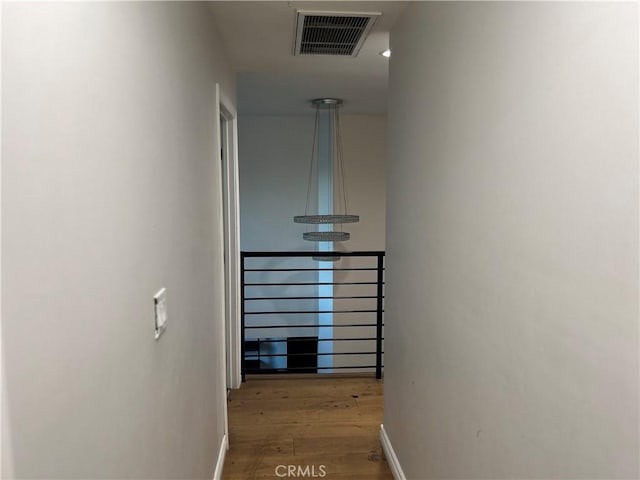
x=332 y=33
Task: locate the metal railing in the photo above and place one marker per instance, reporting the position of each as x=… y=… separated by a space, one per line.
x=297 y=317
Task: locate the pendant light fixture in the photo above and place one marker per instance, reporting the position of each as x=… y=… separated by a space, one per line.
x=340 y=213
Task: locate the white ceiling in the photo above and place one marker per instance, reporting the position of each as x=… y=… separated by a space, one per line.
x=258 y=37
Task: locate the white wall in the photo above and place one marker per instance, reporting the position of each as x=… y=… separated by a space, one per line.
x=274 y=154
x=110 y=179
x=365 y=154
x=512 y=240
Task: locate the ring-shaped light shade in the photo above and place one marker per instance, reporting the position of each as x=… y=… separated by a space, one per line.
x=326 y=219
x=326 y=236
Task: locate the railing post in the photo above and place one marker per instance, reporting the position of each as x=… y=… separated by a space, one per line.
x=242 y=340
x=379 y=317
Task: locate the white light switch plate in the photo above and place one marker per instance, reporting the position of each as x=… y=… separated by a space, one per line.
x=160 y=307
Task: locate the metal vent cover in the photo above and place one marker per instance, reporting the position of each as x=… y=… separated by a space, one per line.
x=332 y=33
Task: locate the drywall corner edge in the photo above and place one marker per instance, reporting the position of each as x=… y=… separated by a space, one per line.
x=390 y=454
x=222 y=453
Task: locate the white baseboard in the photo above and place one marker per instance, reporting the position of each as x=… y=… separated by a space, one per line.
x=390 y=454
x=224 y=446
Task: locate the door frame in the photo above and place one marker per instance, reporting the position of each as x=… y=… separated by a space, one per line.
x=231 y=235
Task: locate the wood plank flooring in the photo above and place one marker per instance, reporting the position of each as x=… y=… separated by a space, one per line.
x=309 y=422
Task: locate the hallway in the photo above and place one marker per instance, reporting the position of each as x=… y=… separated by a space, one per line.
x=329 y=421
x=489 y=151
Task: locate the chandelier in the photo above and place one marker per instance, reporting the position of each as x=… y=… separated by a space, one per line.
x=340 y=214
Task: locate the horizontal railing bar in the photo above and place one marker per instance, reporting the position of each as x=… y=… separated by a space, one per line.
x=313 y=326
x=308 y=269
x=264 y=355
x=302 y=284
x=373 y=253
x=282 y=340
x=339 y=297
x=288 y=369
x=309 y=311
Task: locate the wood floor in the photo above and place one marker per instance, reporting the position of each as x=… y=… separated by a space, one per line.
x=323 y=424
